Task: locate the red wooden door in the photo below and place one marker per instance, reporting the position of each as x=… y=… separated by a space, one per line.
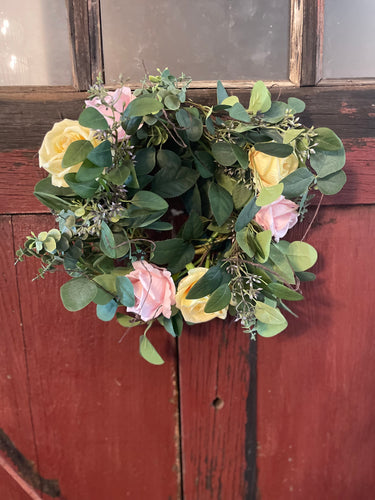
x=84 y=418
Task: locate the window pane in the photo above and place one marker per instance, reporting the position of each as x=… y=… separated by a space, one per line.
x=349 y=39
x=34 y=44
x=210 y=39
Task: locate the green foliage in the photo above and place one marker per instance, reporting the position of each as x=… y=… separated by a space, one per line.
x=221 y=203
x=77 y=293
x=301 y=255
x=269 y=194
x=148 y=351
x=143 y=105
x=219 y=299
x=209 y=282
x=117 y=205
x=76 y=152
x=91 y=118
x=260 y=99
x=274 y=149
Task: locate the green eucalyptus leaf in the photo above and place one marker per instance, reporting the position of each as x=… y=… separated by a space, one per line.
x=274 y=149
x=101 y=155
x=145 y=161
x=118 y=174
x=148 y=351
x=301 y=255
x=276 y=113
x=172 y=102
x=284 y=292
x=88 y=171
x=107 y=241
x=76 y=152
x=142 y=105
x=241 y=195
x=296 y=105
x=280 y=264
x=243 y=239
x=149 y=201
x=221 y=203
x=327 y=140
x=221 y=92
x=264 y=242
x=92 y=118
x=267 y=314
x=168 y=159
x=247 y=214
x=327 y=162
x=223 y=153
x=172 y=182
x=77 y=293
x=173 y=325
x=332 y=184
x=84 y=189
x=127 y=321
x=296 y=183
x=219 y=299
x=267 y=330
x=125 y=291
x=238 y=112
x=269 y=194
x=260 y=99
x=208 y=283
x=106 y=312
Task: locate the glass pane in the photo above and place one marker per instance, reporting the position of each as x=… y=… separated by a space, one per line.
x=349 y=39
x=34 y=44
x=210 y=39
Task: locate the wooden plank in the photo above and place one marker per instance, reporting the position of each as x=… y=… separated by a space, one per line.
x=95 y=39
x=316 y=395
x=85 y=41
x=215 y=385
x=306 y=41
x=106 y=422
x=15 y=415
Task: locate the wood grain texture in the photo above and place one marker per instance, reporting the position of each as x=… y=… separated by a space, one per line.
x=214 y=385
x=306 y=41
x=106 y=422
x=316 y=392
x=95 y=39
x=15 y=415
x=78 y=21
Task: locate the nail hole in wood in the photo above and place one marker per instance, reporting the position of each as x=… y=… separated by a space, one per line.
x=218 y=403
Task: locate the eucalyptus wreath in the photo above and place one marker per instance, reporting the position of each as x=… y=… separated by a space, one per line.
x=172 y=211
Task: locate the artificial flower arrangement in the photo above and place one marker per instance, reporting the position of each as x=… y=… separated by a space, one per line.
x=172 y=211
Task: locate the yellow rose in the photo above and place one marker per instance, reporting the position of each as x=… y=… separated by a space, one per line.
x=56 y=142
x=269 y=170
x=193 y=309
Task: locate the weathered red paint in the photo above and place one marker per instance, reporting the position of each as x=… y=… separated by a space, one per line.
x=316 y=395
x=104 y=420
x=214 y=385
x=15 y=417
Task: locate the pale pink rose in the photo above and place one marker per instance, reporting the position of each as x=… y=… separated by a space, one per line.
x=154 y=291
x=119 y=98
x=279 y=216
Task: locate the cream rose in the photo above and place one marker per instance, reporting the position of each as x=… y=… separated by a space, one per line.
x=56 y=142
x=193 y=309
x=269 y=170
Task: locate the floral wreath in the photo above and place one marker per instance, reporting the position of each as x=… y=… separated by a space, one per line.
x=172 y=211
